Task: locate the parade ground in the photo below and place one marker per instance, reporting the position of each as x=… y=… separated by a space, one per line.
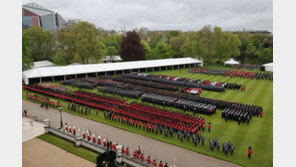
x=171 y=153
x=258 y=133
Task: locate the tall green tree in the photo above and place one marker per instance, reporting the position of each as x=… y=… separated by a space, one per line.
x=59 y=59
x=176 y=43
x=161 y=51
x=189 y=48
x=206 y=43
x=42 y=43
x=27 y=62
x=131 y=48
x=146 y=46
x=111 y=50
x=81 y=39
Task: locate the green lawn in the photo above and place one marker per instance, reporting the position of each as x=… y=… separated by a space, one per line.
x=257 y=134
x=68 y=146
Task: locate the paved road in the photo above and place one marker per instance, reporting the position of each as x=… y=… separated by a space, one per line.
x=166 y=152
x=38 y=153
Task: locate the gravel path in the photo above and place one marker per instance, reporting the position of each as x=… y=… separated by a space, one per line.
x=165 y=152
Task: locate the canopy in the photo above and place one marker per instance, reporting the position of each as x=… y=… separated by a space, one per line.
x=105 y=67
x=268 y=67
x=231 y=61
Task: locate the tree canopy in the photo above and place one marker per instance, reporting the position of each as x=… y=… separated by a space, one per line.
x=131 y=48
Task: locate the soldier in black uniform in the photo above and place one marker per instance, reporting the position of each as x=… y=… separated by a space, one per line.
x=231 y=149
x=202 y=141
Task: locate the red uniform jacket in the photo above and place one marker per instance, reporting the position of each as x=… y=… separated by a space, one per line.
x=250 y=151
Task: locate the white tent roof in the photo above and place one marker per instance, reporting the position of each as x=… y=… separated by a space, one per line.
x=92 y=68
x=114 y=58
x=268 y=66
x=231 y=61
x=44 y=63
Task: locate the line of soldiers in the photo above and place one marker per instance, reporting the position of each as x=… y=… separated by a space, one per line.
x=45 y=101
x=138 y=155
x=233 y=73
x=181 y=83
x=147 y=83
x=236 y=115
x=79 y=109
x=82 y=84
x=247 y=66
x=122 y=91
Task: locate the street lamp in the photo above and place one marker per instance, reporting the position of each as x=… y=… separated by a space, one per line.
x=60 y=109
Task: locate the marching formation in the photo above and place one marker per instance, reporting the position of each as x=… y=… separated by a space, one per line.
x=233 y=73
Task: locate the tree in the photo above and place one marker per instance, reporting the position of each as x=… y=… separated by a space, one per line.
x=42 y=43
x=226 y=44
x=111 y=50
x=147 y=48
x=161 y=51
x=81 y=39
x=131 y=48
x=27 y=62
x=176 y=43
x=59 y=59
x=189 y=48
x=267 y=55
x=206 y=43
x=77 y=59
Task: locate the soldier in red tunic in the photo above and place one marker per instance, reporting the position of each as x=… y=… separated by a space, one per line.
x=127 y=151
x=250 y=152
x=148 y=160
x=142 y=157
x=122 y=150
x=209 y=127
x=154 y=163
x=160 y=164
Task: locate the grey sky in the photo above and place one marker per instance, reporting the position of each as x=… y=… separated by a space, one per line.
x=167 y=14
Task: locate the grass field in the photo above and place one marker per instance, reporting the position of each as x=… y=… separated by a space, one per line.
x=258 y=134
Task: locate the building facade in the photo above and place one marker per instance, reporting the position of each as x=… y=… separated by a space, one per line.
x=37 y=15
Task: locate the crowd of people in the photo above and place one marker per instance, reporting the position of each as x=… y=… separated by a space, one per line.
x=137 y=155
x=233 y=73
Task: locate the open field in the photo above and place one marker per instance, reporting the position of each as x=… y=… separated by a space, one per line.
x=257 y=134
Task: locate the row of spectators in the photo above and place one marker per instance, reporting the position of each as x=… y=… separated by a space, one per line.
x=233 y=73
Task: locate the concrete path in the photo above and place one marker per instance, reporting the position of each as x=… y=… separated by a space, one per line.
x=165 y=152
x=31 y=129
x=37 y=152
